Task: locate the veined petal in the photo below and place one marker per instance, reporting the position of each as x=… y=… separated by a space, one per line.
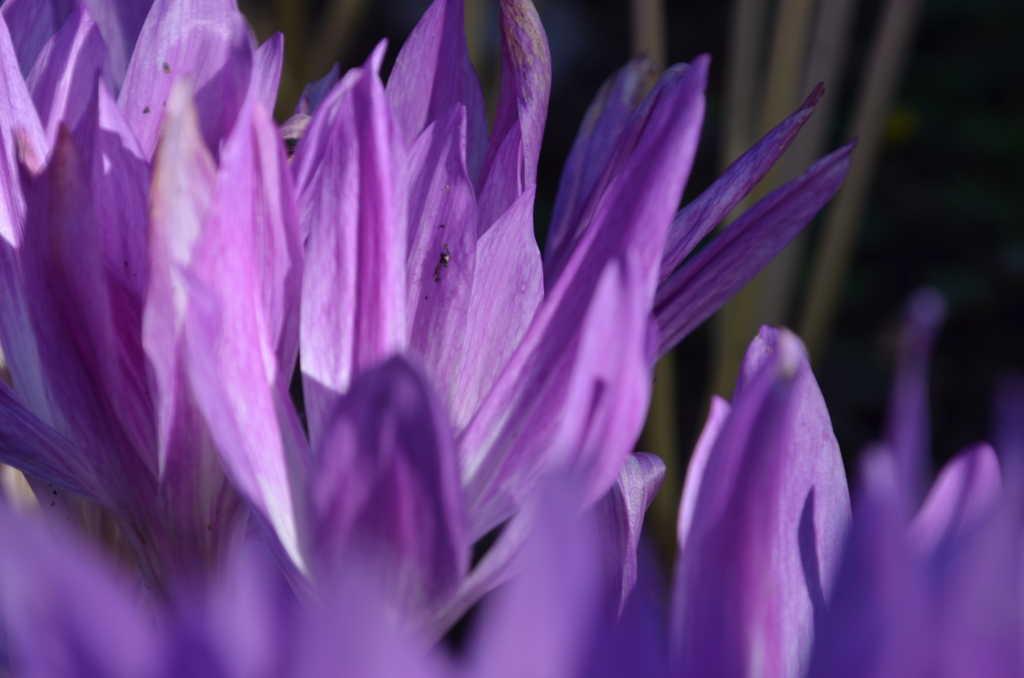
x=442 y=250
x=32 y=24
x=120 y=177
x=233 y=370
x=63 y=609
x=352 y=208
x=204 y=41
x=198 y=508
x=719 y=270
x=21 y=134
x=62 y=80
x=767 y=528
x=528 y=400
x=387 y=484
x=967 y=488
x=622 y=511
x=606 y=118
x=29 y=445
x=908 y=425
x=660 y=106
x=87 y=330
x=432 y=73
x=697 y=219
x=184 y=174
x=278 y=243
x=514 y=146
x=267 y=62
x=507 y=290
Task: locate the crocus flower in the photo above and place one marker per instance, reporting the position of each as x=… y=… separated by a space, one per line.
x=100 y=417
x=775 y=577
x=418 y=239
x=166 y=264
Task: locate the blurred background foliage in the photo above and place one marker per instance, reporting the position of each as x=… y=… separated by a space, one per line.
x=944 y=205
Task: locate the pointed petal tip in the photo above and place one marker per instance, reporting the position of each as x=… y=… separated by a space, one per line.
x=702 y=64
x=814 y=97
x=376 y=57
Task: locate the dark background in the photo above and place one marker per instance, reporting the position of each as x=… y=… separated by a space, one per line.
x=946 y=206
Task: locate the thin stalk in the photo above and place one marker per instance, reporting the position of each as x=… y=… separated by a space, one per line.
x=745 y=42
x=765 y=299
x=886 y=63
x=647 y=20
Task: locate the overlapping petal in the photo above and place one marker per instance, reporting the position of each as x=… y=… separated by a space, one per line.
x=205 y=42
x=510 y=438
x=351 y=188
x=432 y=74
x=386 y=484
x=763 y=541
x=695 y=291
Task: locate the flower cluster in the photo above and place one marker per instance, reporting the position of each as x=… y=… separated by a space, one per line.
x=178 y=272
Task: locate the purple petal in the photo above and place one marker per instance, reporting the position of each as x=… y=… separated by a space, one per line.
x=514 y=146
x=767 y=527
x=63 y=612
x=432 y=73
x=87 y=329
x=387 y=481
x=543 y=621
x=659 y=106
x=966 y=489
x=31 y=446
x=606 y=118
x=277 y=240
x=267 y=62
x=507 y=290
x=442 y=250
x=315 y=92
x=204 y=41
x=636 y=643
x=197 y=506
x=32 y=23
x=718 y=414
x=356 y=629
x=184 y=174
x=63 y=78
x=908 y=426
x=876 y=619
x=120 y=177
x=697 y=219
x=235 y=377
x=21 y=134
x=622 y=511
x=609 y=387
x=120 y=23
x=351 y=185
x=719 y=270
x=516 y=424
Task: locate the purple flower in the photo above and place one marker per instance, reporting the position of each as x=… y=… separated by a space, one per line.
x=165 y=264
x=96 y=234
x=931 y=585
x=537 y=364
